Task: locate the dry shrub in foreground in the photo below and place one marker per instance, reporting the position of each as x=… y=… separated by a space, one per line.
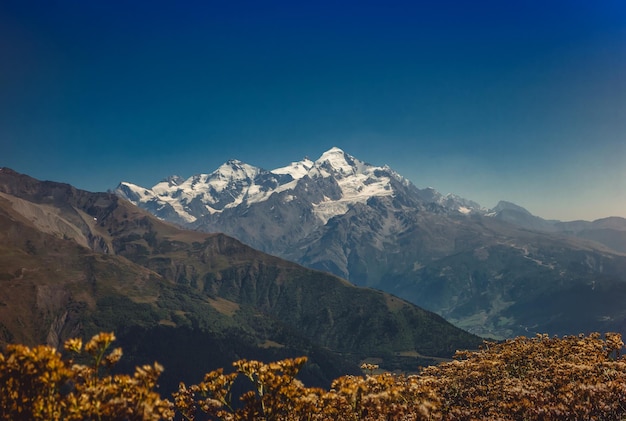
x=37 y=384
x=277 y=395
x=540 y=378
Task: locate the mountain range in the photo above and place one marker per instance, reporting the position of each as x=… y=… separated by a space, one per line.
x=496 y=272
x=74 y=263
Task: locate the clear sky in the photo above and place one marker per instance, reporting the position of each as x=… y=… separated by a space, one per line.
x=522 y=100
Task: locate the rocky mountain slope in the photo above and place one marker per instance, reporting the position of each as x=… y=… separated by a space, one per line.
x=496 y=272
x=75 y=263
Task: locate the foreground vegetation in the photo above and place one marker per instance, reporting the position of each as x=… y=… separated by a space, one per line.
x=540 y=378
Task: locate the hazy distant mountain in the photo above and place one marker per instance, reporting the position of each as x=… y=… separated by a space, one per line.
x=75 y=263
x=500 y=271
x=610 y=232
x=517 y=215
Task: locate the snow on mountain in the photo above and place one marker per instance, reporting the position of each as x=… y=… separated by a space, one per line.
x=163 y=206
x=236 y=183
x=339 y=163
x=296 y=170
x=465 y=206
x=228 y=186
x=357 y=180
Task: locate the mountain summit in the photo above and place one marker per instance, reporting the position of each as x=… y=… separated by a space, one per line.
x=341 y=181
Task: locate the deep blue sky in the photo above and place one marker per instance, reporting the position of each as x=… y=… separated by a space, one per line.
x=516 y=100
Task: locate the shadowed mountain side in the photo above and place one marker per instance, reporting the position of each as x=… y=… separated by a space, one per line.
x=75 y=262
x=483 y=274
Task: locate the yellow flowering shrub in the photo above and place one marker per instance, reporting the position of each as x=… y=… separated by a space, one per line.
x=31 y=380
x=37 y=384
x=540 y=378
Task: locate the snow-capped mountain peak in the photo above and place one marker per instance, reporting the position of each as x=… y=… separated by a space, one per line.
x=296 y=170
x=340 y=182
x=339 y=163
x=232 y=174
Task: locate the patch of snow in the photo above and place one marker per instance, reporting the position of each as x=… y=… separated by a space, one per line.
x=296 y=169
x=326 y=210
